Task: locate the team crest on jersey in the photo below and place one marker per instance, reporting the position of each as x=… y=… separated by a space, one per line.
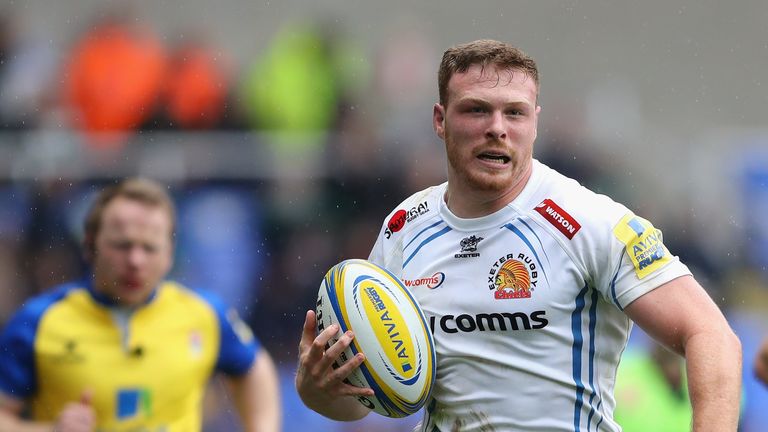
x=513 y=277
x=469 y=247
x=401 y=217
x=196 y=344
x=69 y=354
x=644 y=244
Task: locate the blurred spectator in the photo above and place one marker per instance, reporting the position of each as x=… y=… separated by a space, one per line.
x=294 y=94
x=197 y=86
x=293 y=87
x=302 y=79
x=651 y=392
x=113 y=80
x=27 y=69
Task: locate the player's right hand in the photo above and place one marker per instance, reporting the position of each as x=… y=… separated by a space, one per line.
x=317 y=383
x=77 y=416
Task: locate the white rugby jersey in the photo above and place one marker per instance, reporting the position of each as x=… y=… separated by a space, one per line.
x=525 y=304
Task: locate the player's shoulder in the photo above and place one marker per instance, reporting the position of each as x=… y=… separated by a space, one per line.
x=190 y=300
x=569 y=207
x=416 y=208
x=177 y=293
x=37 y=305
x=34 y=308
x=204 y=307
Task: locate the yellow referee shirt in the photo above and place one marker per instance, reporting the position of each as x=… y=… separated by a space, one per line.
x=146 y=367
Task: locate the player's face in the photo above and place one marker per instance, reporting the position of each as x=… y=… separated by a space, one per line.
x=489 y=126
x=133 y=250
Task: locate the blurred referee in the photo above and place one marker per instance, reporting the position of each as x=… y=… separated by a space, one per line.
x=124 y=349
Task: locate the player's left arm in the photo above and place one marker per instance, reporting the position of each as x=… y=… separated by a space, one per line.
x=682 y=316
x=761 y=363
x=256 y=395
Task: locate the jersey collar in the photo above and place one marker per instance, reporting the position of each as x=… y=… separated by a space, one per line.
x=108 y=301
x=501 y=216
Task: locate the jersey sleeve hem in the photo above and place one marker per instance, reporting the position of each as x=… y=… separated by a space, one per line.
x=670 y=272
x=238 y=346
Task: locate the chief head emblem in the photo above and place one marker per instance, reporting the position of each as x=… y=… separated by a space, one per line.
x=512 y=281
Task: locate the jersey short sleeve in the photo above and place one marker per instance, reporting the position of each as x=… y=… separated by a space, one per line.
x=418 y=210
x=17 y=345
x=644 y=264
x=622 y=254
x=238 y=345
x=378 y=254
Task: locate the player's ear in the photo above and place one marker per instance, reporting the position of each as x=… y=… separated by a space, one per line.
x=438 y=120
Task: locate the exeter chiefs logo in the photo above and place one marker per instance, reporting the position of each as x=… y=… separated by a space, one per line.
x=513 y=277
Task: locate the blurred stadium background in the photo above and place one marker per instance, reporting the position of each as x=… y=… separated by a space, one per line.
x=287 y=130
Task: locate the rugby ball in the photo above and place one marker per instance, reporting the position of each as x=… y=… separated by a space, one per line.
x=390 y=329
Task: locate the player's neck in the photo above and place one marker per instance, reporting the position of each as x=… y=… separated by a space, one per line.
x=468 y=203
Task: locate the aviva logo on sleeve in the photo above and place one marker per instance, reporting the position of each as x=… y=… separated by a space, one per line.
x=644 y=244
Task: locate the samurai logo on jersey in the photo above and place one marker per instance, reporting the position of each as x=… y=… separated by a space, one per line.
x=401 y=217
x=513 y=277
x=469 y=247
